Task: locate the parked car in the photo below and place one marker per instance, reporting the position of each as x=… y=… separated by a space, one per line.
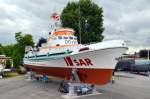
x=134 y=66
x=124 y=65
x=141 y=66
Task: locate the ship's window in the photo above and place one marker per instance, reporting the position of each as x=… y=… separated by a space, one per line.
x=58 y=53
x=65 y=37
x=59 y=37
x=75 y=38
x=70 y=37
x=41 y=55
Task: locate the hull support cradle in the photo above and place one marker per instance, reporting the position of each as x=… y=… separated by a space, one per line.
x=77 y=88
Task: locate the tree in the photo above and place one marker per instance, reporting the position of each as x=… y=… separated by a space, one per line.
x=91 y=20
x=13 y=52
x=19 y=48
x=24 y=40
x=1 y=50
x=8 y=64
x=16 y=51
x=144 y=53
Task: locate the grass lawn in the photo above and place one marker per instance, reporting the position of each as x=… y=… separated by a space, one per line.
x=10 y=74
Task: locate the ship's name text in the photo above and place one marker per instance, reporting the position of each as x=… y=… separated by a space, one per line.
x=78 y=62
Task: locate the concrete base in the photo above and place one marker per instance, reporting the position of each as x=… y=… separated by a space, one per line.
x=78 y=96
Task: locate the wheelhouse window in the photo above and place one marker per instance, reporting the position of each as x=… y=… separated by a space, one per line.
x=65 y=37
x=71 y=38
x=75 y=38
x=59 y=37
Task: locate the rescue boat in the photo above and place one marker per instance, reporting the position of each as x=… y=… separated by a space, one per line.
x=62 y=53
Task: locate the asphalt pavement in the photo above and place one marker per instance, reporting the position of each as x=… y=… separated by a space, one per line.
x=126 y=86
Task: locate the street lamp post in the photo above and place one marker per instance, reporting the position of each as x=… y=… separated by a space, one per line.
x=148 y=55
x=148 y=41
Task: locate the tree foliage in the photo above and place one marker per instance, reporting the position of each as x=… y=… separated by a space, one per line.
x=90 y=16
x=1 y=50
x=22 y=42
x=16 y=51
x=144 y=53
x=8 y=64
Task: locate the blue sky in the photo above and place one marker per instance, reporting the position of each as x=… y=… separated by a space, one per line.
x=123 y=19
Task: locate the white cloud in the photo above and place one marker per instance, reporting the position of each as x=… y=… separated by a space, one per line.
x=128 y=20
x=123 y=19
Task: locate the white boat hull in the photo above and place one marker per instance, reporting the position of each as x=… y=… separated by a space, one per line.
x=94 y=66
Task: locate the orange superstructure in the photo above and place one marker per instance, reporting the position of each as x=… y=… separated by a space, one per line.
x=67 y=32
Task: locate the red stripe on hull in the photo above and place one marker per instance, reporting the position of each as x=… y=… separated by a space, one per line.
x=69 y=61
x=66 y=61
x=92 y=76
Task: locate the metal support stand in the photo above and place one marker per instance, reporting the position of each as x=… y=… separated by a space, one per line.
x=93 y=88
x=74 y=81
x=76 y=88
x=30 y=75
x=1 y=76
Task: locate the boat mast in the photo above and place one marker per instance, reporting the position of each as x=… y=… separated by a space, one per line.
x=55 y=19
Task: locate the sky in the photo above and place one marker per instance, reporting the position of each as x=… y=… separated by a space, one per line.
x=123 y=19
